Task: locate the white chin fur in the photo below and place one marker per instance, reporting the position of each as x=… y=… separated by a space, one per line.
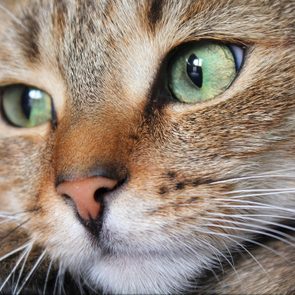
x=144 y=275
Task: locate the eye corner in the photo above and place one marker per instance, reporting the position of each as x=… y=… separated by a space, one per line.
x=238 y=51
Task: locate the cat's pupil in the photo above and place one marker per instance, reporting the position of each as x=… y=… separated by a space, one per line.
x=27 y=100
x=194 y=70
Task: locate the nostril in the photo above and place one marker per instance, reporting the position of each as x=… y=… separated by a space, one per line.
x=122 y=181
x=100 y=193
x=66 y=197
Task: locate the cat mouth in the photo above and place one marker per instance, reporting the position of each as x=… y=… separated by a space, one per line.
x=112 y=244
x=93 y=226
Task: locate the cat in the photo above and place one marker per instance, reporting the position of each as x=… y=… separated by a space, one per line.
x=147 y=147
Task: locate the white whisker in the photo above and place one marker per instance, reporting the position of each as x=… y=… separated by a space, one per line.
x=250 y=203
x=229 y=252
x=15 y=267
x=250 y=217
x=8 y=12
x=47 y=277
x=58 y=286
x=22 y=268
x=258 y=232
x=249 y=207
x=237 y=179
x=231 y=238
x=262 y=194
x=253 y=226
x=15 y=251
x=35 y=266
x=219 y=253
x=10 y=217
x=261 y=190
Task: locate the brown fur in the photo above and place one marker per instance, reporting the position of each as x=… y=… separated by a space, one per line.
x=102 y=62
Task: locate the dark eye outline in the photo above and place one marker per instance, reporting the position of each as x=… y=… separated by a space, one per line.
x=238 y=50
x=53 y=120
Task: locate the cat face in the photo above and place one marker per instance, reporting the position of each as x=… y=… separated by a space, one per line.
x=191 y=180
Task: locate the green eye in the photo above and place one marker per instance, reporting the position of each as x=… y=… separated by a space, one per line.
x=203 y=70
x=25 y=106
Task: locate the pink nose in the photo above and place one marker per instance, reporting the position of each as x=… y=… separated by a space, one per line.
x=82 y=192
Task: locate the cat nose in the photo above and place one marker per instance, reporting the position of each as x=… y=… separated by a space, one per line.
x=87 y=194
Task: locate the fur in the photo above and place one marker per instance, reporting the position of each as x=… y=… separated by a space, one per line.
x=205 y=181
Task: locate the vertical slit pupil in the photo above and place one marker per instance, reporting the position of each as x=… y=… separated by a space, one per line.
x=26 y=102
x=194 y=70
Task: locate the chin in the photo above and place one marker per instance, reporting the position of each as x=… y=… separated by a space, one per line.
x=143 y=274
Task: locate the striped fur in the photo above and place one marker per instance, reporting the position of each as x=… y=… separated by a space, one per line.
x=205 y=181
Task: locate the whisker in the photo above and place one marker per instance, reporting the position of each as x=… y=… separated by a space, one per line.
x=229 y=252
x=259 y=244
x=35 y=266
x=261 y=190
x=253 y=226
x=8 y=217
x=215 y=275
x=231 y=238
x=81 y=291
x=250 y=254
x=238 y=199
x=249 y=217
x=56 y=279
x=263 y=194
x=219 y=253
x=15 y=251
x=14 y=268
x=250 y=231
x=78 y=281
x=47 y=277
x=9 y=213
x=244 y=239
x=58 y=288
x=266 y=174
x=16 y=216
x=231 y=263
x=236 y=179
x=8 y=12
x=208 y=244
x=13 y=230
x=86 y=283
x=257 y=205
x=22 y=268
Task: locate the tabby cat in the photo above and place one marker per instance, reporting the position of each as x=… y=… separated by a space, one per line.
x=147 y=146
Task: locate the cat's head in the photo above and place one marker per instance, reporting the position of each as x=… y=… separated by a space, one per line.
x=160 y=135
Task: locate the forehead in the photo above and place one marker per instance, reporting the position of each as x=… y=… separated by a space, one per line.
x=116 y=47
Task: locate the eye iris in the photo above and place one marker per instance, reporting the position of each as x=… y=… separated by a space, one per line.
x=194 y=70
x=201 y=71
x=26 y=106
x=36 y=106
